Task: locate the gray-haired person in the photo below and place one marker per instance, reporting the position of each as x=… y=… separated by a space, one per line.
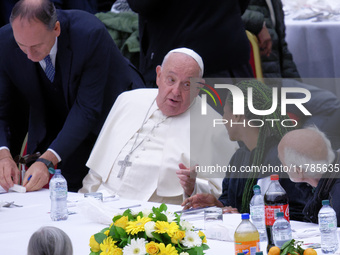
x=309 y=156
x=49 y=241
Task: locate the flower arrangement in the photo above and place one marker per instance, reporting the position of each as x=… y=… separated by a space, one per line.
x=156 y=232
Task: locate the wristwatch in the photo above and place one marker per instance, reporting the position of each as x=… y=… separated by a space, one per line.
x=48 y=164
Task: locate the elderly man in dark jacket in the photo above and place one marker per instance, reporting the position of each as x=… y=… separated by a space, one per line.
x=316 y=164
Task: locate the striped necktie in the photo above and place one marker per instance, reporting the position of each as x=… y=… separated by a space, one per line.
x=49 y=70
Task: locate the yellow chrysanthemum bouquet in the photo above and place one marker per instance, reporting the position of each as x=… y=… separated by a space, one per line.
x=156 y=232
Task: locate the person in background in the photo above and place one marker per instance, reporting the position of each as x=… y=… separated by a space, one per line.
x=90 y=6
x=49 y=241
x=69 y=72
x=153 y=139
x=5 y=11
x=265 y=19
x=260 y=138
x=215 y=31
x=312 y=160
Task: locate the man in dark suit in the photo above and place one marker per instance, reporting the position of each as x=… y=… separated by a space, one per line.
x=214 y=30
x=69 y=71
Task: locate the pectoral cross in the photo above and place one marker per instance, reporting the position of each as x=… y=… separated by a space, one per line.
x=124 y=164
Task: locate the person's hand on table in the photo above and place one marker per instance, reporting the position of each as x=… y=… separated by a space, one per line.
x=265 y=41
x=229 y=209
x=9 y=172
x=39 y=177
x=187 y=178
x=201 y=200
x=38 y=173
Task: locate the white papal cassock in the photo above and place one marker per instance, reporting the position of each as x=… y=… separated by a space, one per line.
x=162 y=143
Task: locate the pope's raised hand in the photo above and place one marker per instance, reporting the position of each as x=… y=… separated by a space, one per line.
x=187 y=178
x=201 y=200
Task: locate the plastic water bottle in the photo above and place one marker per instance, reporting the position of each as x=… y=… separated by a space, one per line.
x=328 y=228
x=247 y=238
x=58 y=195
x=257 y=213
x=282 y=231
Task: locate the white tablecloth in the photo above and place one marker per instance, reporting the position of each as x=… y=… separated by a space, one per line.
x=316 y=51
x=315 y=47
x=17 y=224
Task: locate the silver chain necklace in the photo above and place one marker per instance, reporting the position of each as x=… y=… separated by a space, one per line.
x=126 y=163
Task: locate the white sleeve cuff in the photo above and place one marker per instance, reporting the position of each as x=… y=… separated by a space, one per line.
x=55 y=154
x=185 y=196
x=4 y=147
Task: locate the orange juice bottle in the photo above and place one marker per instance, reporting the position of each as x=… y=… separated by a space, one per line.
x=247 y=238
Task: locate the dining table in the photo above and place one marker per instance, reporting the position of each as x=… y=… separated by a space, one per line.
x=313 y=36
x=30 y=211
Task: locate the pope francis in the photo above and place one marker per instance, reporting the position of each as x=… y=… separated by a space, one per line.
x=153 y=139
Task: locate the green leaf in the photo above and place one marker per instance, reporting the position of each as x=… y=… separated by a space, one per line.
x=299 y=249
x=114 y=219
x=191 y=251
x=121 y=232
x=195 y=250
x=205 y=246
x=158 y=237
x=129 y=215
x=286 y=244
x=104 y=229
x=161 y=216
x=163 y=208
x=94 y=253
x=166 y=239
x=123 y=242
x=100 y=237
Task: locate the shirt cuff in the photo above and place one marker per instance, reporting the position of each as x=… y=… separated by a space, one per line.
x=4 y=147
x=185 y=196
x=55 y=154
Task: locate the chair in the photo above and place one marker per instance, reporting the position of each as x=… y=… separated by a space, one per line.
x=255 y=57
x=255 y=62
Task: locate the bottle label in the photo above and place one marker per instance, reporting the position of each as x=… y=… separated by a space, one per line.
x=248 y=248
x=280 y=236
x=327 y=224
x=257 y=211
x=272 y=210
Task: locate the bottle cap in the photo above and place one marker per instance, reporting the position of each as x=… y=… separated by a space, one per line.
x=240 y=253
x=279 y=214
x=259 y=253
x=274 y=177
x=57 y=171
x=325 y=202
x=256 y=187
x=245 y=216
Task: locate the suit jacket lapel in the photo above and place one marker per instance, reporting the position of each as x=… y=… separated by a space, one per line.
x=64 y=56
